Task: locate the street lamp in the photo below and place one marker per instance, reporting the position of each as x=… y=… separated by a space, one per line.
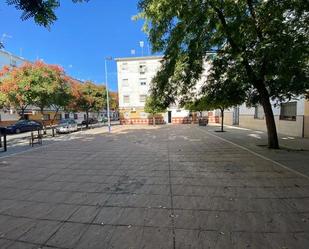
x=107 y=93
x=141 y=44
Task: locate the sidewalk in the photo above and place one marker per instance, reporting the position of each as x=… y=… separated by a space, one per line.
x=293 y=153
x=20 y=143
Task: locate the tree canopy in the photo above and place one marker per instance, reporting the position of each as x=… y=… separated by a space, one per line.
x=31 y=84
x=261 y=44
x=42 y=11
x=88 y=97
x=153 y=107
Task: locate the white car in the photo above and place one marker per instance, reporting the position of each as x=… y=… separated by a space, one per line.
x=67 y=126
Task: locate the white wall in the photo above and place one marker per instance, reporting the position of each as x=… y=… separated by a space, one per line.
x=7 y=116
x=132 y=73
x=244 y=110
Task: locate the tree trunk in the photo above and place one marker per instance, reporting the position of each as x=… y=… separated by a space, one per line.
x=22 y=113
x=273 y=142
x=222 y=119
x=87 y=119
x=153 y=120
x=54 y=118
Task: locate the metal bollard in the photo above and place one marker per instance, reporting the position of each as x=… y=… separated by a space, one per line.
x=3 y=134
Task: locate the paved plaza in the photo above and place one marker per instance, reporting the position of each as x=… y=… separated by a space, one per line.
x=164 y=187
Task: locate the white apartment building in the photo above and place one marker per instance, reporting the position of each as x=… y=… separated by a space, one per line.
x=134 y=78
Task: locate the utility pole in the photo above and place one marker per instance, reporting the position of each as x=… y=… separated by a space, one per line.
x=141 y=44
x=107 y=93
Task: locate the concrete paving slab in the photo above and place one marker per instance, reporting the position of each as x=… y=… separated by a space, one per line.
x=165 y=187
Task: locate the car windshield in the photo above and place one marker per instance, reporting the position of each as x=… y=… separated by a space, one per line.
x=21 y=122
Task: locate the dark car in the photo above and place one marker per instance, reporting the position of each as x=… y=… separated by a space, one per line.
x=90 y=121
x=23 y=126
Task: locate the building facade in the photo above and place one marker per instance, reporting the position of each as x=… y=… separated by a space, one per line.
x=291 y=117
x=134 y=78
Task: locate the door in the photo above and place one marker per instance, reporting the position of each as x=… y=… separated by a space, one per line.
x=169 y=117
x=236 y=116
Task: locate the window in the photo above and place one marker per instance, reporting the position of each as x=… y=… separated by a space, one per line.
x=58 y=117
x=126 y=99
x=143 y=82
x=75 y=116
x=124 y=66
x=142 y=68
x=66 y=115
x=259 y=112
x=288 y=111
x=125 y=82
x=142 y=98
x=46 y=117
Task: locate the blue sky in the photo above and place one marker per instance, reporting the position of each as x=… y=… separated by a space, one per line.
x=80 y=39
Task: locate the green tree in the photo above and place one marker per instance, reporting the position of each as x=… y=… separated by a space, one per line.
x=43 y=11
x=153 y=107
x=88 y=97
x=221 y=93
x=264 y=42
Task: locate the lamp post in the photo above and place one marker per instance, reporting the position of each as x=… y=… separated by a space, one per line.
x=141 y=44
x=107 y=93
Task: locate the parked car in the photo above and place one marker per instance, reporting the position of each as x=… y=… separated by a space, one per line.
x=67 y=126
x=23 y=126
x=90 y=121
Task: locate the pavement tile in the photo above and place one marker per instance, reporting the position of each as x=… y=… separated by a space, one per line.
x=85 y=214
x=40 y=231
x=109 y=215
x=124 y=237
x=61 y=212
x=96 y=237
x=113 y=191
x=22 y=245
x=14 y=227
x=67 y=236
x=156 y=238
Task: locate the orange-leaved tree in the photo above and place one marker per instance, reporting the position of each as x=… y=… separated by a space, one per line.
x=32 y=84
x=88 y=97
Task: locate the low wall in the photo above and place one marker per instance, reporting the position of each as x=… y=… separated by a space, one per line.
x=228 y=118
x=6 y=123
x=184 y=120
x=214 y=119
x=141 y=121
x=159 y=120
